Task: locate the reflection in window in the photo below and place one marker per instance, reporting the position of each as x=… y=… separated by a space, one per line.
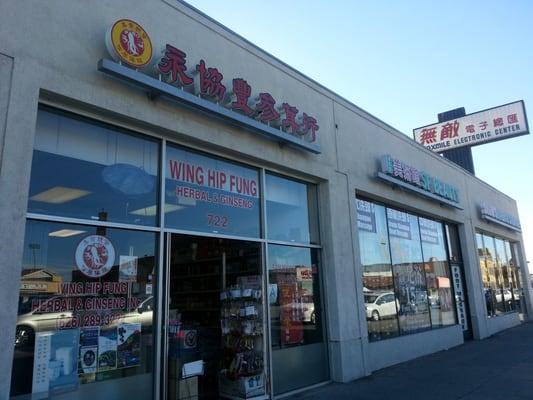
x=408 y=269
x=499 y=275
x=295 y=318
x=437 y=273
x=380 y=304
x=454 y=247
x=85 y=312
x=495 y=280
x=515 y=271
x=406 y=273
x=291 y=210
x=85 y=170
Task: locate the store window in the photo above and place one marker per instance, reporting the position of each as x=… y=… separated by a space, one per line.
x=514 y=264
x=499 y=275
x=406 y=273
x=206 y=194
x=408 y=270
x=298 y=351
x=85 y=325
x=299 y=355
x=439 y=284
x=291 y=210
x=380 y=301
x=87 y=170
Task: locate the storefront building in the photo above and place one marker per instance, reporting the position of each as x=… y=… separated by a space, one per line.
x=188 y=217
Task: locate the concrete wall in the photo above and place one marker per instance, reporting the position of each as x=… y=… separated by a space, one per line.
x=53 y=60
x=501 y=322
x=394 y=351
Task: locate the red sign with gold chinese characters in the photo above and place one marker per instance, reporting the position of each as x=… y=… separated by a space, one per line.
x=490 y=125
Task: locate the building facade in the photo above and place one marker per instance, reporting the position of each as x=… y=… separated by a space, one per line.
x=188 y=217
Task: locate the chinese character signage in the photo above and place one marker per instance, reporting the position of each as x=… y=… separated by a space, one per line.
x=398 y=170
x=366 y=218
x=399 y=224
x=481 y=127
x=204 y=83
x=500 y=217
x=429 y=231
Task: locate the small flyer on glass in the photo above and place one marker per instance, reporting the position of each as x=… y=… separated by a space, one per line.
x=129 y=345
x=55 y=361
x=107 y=349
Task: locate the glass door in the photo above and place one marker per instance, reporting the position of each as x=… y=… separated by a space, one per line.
x=215 y=335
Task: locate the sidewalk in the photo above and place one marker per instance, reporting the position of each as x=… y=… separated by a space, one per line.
x=500 y=367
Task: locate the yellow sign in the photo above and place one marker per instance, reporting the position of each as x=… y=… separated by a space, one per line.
x=128 y=42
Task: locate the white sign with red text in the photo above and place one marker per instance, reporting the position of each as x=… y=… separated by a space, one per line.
x=95 y=256
x=481 y=127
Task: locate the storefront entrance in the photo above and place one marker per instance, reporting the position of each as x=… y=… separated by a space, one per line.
x=215 y=340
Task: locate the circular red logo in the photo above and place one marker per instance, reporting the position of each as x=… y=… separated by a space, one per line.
x=132 y=42
x=95 y=256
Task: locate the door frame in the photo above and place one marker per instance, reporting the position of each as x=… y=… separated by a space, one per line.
x=165 y=300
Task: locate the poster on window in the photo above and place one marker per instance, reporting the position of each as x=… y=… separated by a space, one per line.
x=129 y=345
x=210 y=195
x=55 y=361
x=445 y=293
x=291 y=318
x=412 y=296
x=366 y=217
x=88 y=356
x=399 y=224
x=107 y=349
x=429 y=231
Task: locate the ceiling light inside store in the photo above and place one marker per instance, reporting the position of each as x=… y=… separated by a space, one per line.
x=152 y=210
x=59 y=195
x=63 y=233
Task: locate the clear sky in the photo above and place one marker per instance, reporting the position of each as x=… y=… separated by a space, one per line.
x=406 y=61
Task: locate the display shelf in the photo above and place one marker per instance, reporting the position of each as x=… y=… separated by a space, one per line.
x=241 y=318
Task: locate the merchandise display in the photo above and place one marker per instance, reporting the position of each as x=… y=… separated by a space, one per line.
x=242 y=339
x=215 y=330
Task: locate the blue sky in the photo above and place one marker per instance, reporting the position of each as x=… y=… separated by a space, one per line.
x=406 y=61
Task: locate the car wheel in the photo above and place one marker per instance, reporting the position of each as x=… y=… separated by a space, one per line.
x=375 y=315
x=24 y=337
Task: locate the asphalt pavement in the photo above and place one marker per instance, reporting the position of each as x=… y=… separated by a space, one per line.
x=497 y=368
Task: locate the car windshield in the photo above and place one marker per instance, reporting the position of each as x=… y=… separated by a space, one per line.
x=370 y=298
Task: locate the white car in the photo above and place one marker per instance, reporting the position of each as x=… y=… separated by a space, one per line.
x=380 y=305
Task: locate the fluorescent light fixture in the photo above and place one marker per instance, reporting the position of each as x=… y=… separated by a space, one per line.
x=152 y=210
x=59 y=195
x=63 y=233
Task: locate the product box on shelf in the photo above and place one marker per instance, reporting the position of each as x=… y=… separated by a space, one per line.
x=183 y=389
x=244 y=387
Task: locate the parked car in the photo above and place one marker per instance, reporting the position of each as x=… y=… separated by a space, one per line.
x=39 y=321
x=380 y=305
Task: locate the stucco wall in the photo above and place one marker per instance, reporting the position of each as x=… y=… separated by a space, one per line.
x=53 y=60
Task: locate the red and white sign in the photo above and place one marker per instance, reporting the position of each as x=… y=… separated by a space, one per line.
x=95 y=256
x=304 y=274
x=485 y=126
